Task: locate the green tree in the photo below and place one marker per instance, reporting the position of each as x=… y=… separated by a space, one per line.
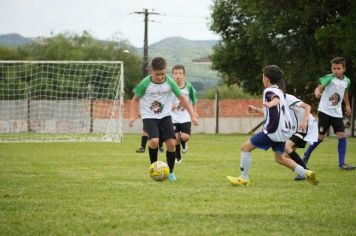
x=299 y=36
x=81 y=47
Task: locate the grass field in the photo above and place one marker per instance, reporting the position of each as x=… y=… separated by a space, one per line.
x=104 y=189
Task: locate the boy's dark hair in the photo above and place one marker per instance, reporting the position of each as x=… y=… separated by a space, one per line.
x=273 y=73
x=338 y=60
x=178 y=67
x=158 y=63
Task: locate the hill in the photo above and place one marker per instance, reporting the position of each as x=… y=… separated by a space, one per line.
x=178 y=50
x=14 y=40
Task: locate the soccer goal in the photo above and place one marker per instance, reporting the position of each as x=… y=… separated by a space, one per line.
x=61 y=101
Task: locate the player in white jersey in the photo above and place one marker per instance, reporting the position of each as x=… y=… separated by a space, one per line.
x=154 y=96
x=306 y=127
x=180 y=116
x=276 y=130
x=333 y=89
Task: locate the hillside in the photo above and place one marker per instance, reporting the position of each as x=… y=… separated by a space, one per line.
x=13 y=40
x=178 y=50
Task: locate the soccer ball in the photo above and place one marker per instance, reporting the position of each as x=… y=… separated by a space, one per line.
x=159 y=171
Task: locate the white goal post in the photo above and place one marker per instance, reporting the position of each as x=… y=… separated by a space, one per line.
x=61 y=101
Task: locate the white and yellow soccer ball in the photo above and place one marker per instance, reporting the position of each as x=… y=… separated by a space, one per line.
x=159 y=171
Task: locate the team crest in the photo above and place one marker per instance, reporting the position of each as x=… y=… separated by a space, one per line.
x=180 y=107
x=156 y=107
x=334 y=99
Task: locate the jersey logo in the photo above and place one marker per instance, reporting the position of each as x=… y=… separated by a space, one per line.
x=156 y=107
x=334 y=99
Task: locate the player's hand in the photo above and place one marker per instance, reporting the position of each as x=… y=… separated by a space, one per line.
x=252 y=109
x=195 y=120
x=347 y=111
x=302 y=127
x=131 y=121
x=317 y=93
x=267 y=104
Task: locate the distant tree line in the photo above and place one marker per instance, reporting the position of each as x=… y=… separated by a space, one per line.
x=69 y=47
x=299 y=36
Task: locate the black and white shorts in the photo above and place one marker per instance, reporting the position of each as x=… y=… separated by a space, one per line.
x=159 y=128
x=325 y=121
x=183 y=127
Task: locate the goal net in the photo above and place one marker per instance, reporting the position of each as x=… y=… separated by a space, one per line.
x=60 y=101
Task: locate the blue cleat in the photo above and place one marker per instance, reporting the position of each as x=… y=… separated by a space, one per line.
x=172 y=177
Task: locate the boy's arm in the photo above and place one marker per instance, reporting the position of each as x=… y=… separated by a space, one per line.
x=319 y=91
x=253 y=109
x=274 y=102
x=195 y=110
x=307 y=108
x=187 y=106
x=347 y=104
x=133 y=110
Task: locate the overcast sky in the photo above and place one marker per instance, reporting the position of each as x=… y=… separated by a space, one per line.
x=108 y=19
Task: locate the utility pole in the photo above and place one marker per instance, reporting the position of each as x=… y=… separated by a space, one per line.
x=145 y=41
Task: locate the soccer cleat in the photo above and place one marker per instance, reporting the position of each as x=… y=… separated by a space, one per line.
x=185 y=149
x=305 y=160
x=299 y=177
x=161 y=149
x=178 y=161
x=311 y=177
x=172 y=177
x=140 y=150
x=347 y=167
x=237 y=180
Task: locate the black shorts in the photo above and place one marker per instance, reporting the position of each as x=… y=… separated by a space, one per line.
x=159 y=128
x=297 y=139
x=183 y=127
x=325 y=121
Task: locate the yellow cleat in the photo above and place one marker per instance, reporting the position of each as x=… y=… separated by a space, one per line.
x=237 y=180
x=311 y=177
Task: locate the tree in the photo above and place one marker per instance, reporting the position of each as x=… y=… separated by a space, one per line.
x=299 y=36
x=80 y=47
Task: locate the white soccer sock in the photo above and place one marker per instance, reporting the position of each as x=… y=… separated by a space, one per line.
x=300 y=170
x=245 y=163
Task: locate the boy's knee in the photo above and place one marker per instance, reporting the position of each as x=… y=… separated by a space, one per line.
x=246 y=147
x=171 y=145
x=154 y=142
x=185 y=137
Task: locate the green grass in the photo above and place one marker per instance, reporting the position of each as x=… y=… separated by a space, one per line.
x=104 y=189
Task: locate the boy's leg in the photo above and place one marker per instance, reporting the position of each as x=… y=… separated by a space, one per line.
x=183 y=143
x=339 y=129
x=299 y=170
x=153 y=149
x=292 y=144
x=151 y=127
x=160 y=145
x=245 y=164
x=323 y=125
x=185 y=130
x=144 y=139
x=177 y=143
x=168 y=135
x=311 y=149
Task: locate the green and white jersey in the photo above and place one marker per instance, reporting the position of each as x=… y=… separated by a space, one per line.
x=180 y=114
x=333 y=94
x=156 y=99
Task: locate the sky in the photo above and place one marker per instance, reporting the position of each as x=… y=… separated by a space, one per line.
x=108 y=19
